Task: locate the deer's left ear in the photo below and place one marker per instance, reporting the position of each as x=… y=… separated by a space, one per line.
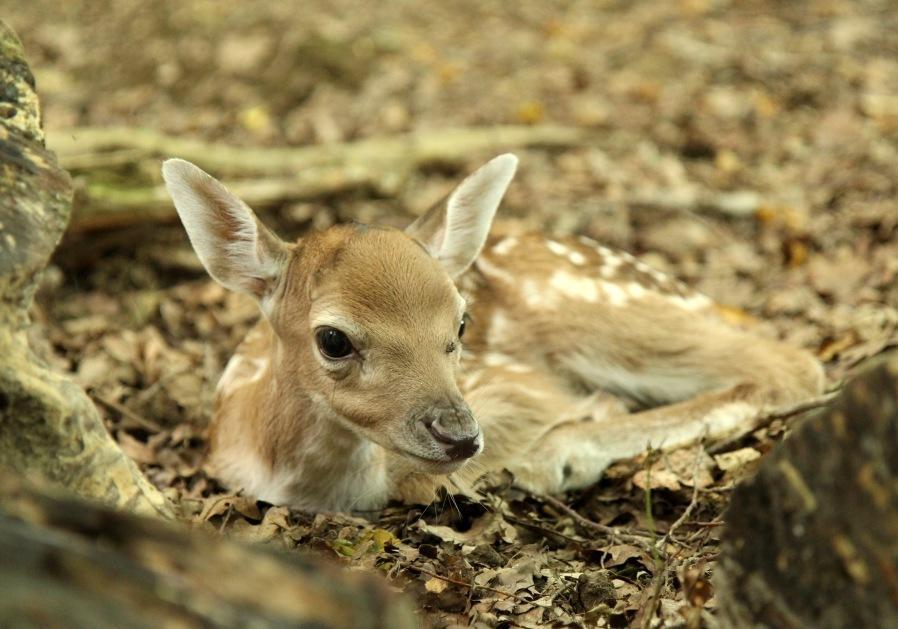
x=455 y=231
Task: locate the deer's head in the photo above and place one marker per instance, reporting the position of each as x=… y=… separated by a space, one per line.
x=368 y=320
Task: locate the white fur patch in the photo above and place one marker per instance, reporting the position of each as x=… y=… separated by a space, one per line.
x=616 y=295
x=505 y=245
x=493 y=359
x=576 y=258
x=255 y=477
x=535 y=296
x=693 y=302
x=557 y=248
x=499 y=327
x=589 y=242
x=575 y=286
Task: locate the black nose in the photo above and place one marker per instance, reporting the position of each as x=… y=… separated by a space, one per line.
x=457 y=447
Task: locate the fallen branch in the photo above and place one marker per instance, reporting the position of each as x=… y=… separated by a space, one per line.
x=267 y=176
x=128 y=145
x=613 y=532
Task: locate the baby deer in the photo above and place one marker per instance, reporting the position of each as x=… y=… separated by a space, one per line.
x=389 y=363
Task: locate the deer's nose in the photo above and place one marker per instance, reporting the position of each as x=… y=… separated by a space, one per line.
x=457 y=446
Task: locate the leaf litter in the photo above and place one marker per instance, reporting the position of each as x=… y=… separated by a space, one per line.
x=750 y=151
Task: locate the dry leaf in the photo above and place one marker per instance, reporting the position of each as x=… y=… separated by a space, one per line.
x=736 y=459
x=435 y=585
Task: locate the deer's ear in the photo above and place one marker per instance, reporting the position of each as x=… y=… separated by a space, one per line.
x=455 y=231
x=236 y=249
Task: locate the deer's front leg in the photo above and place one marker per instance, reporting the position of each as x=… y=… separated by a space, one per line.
x=530 y=422
x=575 y=454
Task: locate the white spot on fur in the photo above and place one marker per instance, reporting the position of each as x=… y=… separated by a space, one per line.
x=494 y=359
x=611 y=261
x=535 y=297
x=499 y=327
x=576 y=258
x=505 y=245
x=557 y=248
x=589 y=242
x=616 y=295
x=506 y=362
x=575 y=286
x=693 y=302
x=635 y=290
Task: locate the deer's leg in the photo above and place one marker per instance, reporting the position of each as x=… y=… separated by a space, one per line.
x=517 y=407
x=660 y=356
x=574 y=454
x=605 y=321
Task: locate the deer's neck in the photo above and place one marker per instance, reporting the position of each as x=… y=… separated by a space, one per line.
x=330 y=467
x=281 y=445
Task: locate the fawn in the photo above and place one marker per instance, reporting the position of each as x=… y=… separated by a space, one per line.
x=389 y=363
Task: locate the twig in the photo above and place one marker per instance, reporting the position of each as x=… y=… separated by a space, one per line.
x=692 y=502
x=663 y=566
x=611 y=531
x=464 y=584
x=545 y=531
x=123 y=410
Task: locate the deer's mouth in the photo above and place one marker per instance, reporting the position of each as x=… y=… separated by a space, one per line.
x=432 y=465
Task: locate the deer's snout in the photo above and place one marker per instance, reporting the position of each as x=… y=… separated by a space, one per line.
x=454 y=428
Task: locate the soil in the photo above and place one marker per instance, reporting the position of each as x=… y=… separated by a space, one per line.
x=748 y=148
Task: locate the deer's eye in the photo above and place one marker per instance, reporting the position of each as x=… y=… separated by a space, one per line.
x=461 y=328
x=333 y=344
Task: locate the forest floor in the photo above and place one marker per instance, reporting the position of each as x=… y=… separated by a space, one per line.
x=748 y=148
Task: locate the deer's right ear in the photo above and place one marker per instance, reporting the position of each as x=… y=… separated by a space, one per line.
x=455 y=231
x=236 y=249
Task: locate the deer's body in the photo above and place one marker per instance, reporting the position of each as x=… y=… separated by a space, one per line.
x=567 y=343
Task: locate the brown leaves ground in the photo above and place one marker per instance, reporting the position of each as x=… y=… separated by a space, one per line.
x=748 y=148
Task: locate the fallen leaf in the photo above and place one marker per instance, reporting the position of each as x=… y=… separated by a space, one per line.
x=435 y=585
x=736 y=459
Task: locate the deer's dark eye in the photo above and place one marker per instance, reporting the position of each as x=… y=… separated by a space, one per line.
x=461 y=328
x=333 y=344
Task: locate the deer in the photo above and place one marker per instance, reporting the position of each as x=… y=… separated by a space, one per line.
x=389 y=363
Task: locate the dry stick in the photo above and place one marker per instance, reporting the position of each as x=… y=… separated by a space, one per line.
x=587 y=523
x=464 y=584
x=660 y=579
x=425 y=146
x=267 y=176
x=545 y=531
x=123 y=410
x=692 y=502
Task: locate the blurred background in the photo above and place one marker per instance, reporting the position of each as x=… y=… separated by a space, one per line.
x=748 y=147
